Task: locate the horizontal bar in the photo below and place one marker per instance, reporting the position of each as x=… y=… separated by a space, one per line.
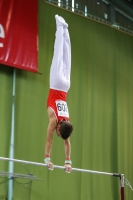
x=59 y=167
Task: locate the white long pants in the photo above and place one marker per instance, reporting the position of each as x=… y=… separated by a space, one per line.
x=61 y=64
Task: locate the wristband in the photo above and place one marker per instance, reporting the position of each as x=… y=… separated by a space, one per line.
x=47 y=159
x=67 y=158
x=47 y=156
x=68 y=162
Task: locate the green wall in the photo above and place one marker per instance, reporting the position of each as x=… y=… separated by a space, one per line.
x=100 y=105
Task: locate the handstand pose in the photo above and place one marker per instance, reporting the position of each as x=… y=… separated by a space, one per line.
x=59 y=85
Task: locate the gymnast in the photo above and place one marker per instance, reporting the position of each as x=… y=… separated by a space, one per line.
x=57 y=108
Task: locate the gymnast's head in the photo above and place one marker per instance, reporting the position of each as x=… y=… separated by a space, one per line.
x=64 y=129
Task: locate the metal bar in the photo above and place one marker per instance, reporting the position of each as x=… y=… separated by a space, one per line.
x=11 y=153
x=60 y=167
x=124 y=14
x=122 y=186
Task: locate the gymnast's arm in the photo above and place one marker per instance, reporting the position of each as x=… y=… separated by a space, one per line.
x=50 y=130
x=67 y=147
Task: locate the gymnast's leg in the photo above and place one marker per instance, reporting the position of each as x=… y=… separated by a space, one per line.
x=56 y=71
x=61 y=63
x=67 y=54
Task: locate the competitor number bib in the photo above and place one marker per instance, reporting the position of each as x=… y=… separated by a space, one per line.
x=62 y=109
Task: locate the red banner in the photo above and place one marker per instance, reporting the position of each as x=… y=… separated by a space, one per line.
x=19 y=34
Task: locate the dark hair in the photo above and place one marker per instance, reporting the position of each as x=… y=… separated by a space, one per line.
x=65 y=129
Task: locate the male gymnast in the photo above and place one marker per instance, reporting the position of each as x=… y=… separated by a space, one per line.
x=58 y=113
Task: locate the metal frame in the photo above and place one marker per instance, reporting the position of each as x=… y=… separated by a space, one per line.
x=17 y=175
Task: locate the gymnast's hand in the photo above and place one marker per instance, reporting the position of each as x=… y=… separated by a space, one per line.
x=68 y=168
x=50 y=165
